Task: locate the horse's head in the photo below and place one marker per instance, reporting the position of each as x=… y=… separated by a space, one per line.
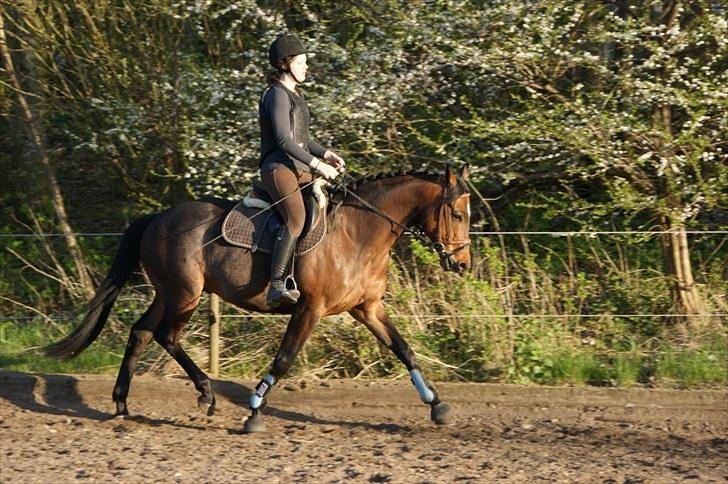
x=447 y=221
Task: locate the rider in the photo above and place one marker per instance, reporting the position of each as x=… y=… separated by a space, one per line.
x=287 y=155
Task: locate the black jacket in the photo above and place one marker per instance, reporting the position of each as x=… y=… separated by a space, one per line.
x=284 y=137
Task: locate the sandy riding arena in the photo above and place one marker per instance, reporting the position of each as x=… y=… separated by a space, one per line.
x=56 y=428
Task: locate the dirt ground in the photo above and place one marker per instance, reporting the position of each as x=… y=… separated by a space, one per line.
x=56 y=428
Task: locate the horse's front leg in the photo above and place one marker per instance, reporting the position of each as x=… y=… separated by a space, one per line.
x=376 y=320
x=299 y=329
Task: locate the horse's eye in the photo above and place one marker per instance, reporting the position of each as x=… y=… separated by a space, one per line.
x=457 y=214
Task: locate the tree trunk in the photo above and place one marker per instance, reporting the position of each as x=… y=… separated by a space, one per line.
x=36 y=136
x=676 y=253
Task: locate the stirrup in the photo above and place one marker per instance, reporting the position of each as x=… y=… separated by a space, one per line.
x=283 y=291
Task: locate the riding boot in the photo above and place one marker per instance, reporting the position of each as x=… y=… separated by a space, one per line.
x=283 y=248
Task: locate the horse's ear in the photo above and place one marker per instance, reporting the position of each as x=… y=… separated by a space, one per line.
x=450 y=178
x=465 y=172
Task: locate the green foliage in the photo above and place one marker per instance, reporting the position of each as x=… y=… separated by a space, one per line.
x=21 y=343
x=706 y=363
x=424 y=254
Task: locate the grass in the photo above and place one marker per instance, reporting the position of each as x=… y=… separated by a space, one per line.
x=669 y=367
x=21 y=344
x=694 y=367
x=341 y=349
x=589 y=368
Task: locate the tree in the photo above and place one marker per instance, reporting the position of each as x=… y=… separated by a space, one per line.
x=35 y=131
x=630 y=95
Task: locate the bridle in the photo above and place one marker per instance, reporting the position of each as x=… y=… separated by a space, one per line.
x=440 y=242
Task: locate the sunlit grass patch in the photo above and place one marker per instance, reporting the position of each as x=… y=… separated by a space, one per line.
x=21 y=346
x=692 y=367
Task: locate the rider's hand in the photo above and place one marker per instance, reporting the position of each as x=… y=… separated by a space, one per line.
x=328 y=171
x=335 y=160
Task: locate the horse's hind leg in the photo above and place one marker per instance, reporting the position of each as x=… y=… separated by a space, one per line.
x=139 y=336
x=167 y=335
x=376 y=320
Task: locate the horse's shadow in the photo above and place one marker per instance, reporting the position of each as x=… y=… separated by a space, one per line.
x=59 y=395
x=240 y=395
x=49 y=394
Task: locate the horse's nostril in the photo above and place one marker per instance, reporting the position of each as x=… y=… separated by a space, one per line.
x=462 y=266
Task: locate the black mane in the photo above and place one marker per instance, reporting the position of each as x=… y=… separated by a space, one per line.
x=358 y=181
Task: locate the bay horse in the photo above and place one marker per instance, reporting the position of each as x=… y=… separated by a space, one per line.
x=182 y=253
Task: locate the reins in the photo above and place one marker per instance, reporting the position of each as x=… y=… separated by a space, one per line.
x=438 y=246
x=416 y=232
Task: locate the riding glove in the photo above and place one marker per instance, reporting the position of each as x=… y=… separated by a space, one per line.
x=328 y=171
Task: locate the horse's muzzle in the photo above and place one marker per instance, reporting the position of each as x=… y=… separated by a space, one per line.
x=449 y=263
x=448 y=260
x=455 y=266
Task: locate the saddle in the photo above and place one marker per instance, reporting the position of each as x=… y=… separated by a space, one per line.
x=253 y=223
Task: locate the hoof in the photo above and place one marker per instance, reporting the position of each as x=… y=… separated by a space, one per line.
x=121 y=410
x=440 y=413
x=208 y=408
x=253 y=425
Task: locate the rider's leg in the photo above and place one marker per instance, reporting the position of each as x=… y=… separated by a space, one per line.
x=283 y=186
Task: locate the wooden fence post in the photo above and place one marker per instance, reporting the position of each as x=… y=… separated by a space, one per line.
x=215 y=335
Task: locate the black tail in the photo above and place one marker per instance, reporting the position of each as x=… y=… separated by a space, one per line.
x=125 y=262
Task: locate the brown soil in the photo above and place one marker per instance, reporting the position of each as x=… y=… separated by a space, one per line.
x=56 y=428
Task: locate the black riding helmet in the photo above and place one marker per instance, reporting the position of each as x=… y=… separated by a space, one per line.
x=283 y=47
